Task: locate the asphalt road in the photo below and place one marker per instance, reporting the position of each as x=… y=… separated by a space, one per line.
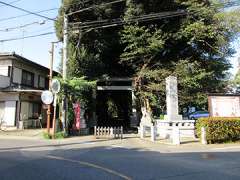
x=71 y=160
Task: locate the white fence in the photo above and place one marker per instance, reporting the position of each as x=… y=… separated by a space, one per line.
x=108 y=132
x=186 y=127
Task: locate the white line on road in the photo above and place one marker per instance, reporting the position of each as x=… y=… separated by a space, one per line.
x=110 y=171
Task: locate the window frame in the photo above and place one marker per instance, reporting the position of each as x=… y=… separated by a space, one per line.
x=25 y=82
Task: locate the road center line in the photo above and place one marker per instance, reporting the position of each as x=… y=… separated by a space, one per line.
x=90 y=165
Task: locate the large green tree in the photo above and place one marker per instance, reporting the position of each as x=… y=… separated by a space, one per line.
x=93 y=52
x=193 y=46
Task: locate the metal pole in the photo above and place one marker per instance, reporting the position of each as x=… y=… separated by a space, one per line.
x=54 y=115
x=64 y=70
x=50 y=82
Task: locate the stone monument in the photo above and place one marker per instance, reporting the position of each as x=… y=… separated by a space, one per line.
x=172 y=99
x=173 y=126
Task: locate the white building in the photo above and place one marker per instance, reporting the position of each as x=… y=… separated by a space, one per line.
x=21 y=84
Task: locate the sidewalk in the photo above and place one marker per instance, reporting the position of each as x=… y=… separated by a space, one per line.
x=27 y=133
x=130 y=141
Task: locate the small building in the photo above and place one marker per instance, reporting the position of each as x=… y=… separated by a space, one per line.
x=21 y=84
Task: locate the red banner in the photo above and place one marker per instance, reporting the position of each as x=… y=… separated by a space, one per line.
x=77 y=112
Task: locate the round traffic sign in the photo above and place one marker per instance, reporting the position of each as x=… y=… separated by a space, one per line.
x=47 y=97
x=55 y=86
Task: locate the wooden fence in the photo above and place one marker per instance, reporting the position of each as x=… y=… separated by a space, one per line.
x=108 y=132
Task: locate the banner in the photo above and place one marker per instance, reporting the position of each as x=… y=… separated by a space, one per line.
x=77 y=113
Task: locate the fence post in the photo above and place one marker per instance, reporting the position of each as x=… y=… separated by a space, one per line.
x=98 y=131
x=203 y=135
x=114 y=132
x=95 y=131
x=108 y=131
x=111 y=132
x=121 y=132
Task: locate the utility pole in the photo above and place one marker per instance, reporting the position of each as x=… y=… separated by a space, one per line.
x=50 y=82
x=64 y=70
x=50 y=89
x=65 y=39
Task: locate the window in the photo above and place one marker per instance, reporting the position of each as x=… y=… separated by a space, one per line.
x=34 y=110
x=41 y=82
x=46 y=83
x=27 y=78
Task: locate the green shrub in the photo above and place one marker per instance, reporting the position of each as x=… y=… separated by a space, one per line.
x=58 y=135
x=46 y=135
x=219 y=129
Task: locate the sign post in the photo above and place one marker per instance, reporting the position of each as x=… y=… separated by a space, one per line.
x=47 y=98
x=55 y=89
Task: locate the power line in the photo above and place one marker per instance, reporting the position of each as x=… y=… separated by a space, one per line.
x=26 y=37
x=11 y=2
x=14 y=17
x=92 y=7
x=22 y=26
x=119 y=22
x=24 y=10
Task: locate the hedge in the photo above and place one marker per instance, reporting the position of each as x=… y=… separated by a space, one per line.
x=219 y=129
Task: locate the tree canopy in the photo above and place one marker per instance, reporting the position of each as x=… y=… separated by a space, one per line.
x=151 y=40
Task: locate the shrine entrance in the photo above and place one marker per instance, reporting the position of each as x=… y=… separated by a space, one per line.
x=115 y=103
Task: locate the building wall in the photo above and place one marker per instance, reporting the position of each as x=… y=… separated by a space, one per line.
x=10 y=113
x=37 y=71
x=4 y=81
x=8 y=108
x=4 y=73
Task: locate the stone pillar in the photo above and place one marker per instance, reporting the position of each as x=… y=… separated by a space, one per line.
x=153 y=133
x=203 y=135
x=142 y=131
x=172 y=99
x=176 y=136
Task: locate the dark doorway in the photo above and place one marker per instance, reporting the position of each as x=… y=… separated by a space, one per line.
x=114 y=108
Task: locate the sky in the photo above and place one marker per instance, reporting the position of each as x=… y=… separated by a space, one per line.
x=37 y=49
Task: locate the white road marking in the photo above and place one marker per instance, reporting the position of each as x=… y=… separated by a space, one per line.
x=110 y=171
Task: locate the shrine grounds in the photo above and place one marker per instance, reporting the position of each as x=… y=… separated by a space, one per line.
x=23 y=157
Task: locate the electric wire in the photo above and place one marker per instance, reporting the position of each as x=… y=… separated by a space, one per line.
x=94 y=6
x=11 y=2
x=21 y=26
x=24 y=10
x=118 y=21
x=26 y=37
x=14 y=17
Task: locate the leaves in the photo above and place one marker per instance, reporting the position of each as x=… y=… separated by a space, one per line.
x=194 y=47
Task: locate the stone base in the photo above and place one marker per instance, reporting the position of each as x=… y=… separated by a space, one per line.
x=177 y=117
x=186 y=127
